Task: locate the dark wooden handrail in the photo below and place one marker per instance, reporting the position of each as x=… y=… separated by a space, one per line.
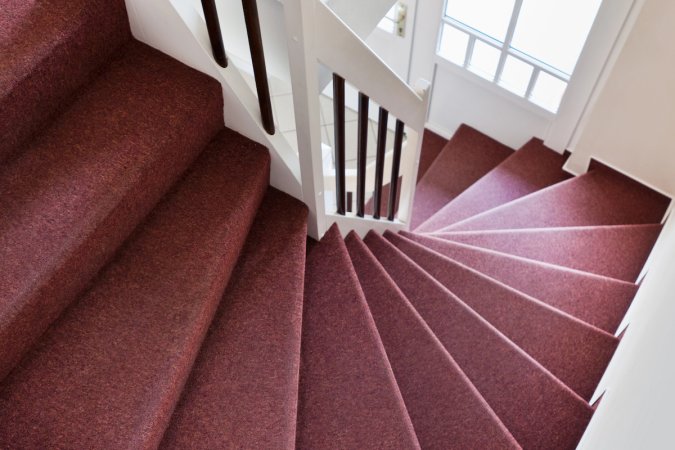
x=215 y=36
x=362 y=154
x=395 y=168
x=259 y=67
x=339 y=135
x=379 y=161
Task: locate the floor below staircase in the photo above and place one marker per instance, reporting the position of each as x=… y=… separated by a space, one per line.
x=158 y=293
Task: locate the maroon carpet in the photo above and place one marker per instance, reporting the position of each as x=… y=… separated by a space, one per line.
x=157 y=293
x=538 y=410
x=251 y=384
x=572 y=350
x=531 y=168
x=429 y=379
x=78 y=191
x=49 y=49
x=597 y=300
x=348 y=396
x=110 y=370
x=599 y=197
x=617 y=251
x=465 y=158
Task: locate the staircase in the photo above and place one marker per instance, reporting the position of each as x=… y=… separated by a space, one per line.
x=157 y=293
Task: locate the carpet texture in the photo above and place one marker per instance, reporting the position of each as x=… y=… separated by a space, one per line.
x=348 y=396
x=599 y=301
x=73 y=196
x=531 y=168
x=251 y=384
x=618 y=251
x=575 y=352
x=465 y=158
x=429 y=379
x=109 y=371
x=157 y=293
x=49 y=49
x=599 y=197
x=538 y=410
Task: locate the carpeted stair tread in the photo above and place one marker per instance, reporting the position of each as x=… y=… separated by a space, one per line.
x=110 y=370
x=466 y=158
x=348 y=397
x=575 y=352
x=617 y=251
x=243 y=389
x=429 y=379
x=49 y=49
x=597 y=300
x=538 y=410
x=79 y=190
x=599 y=197
x=532 y=167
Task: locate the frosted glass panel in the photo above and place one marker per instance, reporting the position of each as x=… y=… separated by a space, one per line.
x=554 y=31
x=453 y=44
x=516 y=75
x=484 y=60
x=490 y=17
x=548 y=91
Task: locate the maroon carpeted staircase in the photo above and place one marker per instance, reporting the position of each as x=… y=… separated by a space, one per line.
x=157 y=293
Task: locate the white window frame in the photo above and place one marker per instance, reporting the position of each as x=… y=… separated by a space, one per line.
x=505 y=50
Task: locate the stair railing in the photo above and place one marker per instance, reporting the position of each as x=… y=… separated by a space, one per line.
x=316 y=38
x=252 y=21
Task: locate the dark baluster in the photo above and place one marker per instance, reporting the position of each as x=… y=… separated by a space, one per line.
x=258 y=59
x=395 y=168
x=362 y=154
x=339 y=128
x=215 y=36
x=350 y=201
x=379 y=161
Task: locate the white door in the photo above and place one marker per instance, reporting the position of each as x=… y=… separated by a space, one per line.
x=392 y=38
x=514 y=69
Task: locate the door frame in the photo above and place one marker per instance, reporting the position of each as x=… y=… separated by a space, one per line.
x=613 y=22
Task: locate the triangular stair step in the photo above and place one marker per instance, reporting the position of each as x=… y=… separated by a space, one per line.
x=110 y=370
x=348 y=396
x=538 y=410
x=618 y=251
x=467 y=156
x=597 y=300
x=49 y=49
x=575 y=352
x=429 y=379
x=532 y=167
x=73 y=196
x=599 y=197
x=243 y=389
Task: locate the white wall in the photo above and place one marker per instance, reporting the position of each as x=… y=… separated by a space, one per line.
x=638 y=408
x=631 y=124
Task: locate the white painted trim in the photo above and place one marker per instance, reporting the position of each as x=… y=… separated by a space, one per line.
x=299 y=17
x=338 y=48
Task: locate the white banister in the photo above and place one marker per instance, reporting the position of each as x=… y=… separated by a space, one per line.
x=317 y=38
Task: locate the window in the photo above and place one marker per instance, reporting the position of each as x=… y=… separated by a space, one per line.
x=527 y=47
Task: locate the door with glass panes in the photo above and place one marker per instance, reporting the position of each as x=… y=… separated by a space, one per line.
x=514 y=68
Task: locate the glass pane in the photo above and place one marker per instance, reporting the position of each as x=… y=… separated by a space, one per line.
x=548 y=91
x=484 y=60
x=490 y=17
x=453 y=44
x=554 y=31
x=516 y=75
